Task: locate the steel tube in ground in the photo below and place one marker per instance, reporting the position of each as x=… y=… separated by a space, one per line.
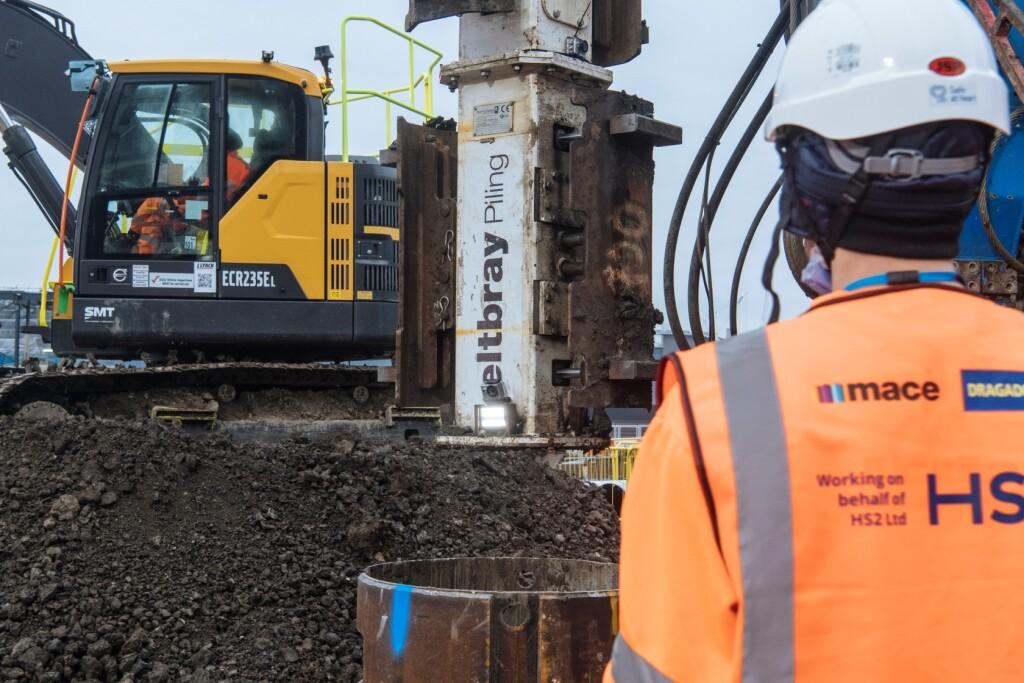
x=487 y=619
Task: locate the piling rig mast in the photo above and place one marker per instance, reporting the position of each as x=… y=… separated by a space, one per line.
x=527 y=295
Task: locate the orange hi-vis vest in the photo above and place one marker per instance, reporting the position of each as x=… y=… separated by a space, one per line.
x=835 y=498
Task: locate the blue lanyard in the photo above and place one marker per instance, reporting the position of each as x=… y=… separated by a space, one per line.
x=902 y=279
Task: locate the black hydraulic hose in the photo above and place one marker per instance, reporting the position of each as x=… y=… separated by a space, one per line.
x=703 y=223
x=997 y=244
x=737 y=274
x=703 y=236
x=34 y=174
x=732 y=105
x=983 y=212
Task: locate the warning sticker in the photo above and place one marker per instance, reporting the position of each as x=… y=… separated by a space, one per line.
x=140 y=276
x=844 y=59
x=206 y=277
x=493 y=119
x=172 y=280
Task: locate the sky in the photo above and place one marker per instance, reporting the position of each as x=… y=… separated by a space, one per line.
x=697 y=52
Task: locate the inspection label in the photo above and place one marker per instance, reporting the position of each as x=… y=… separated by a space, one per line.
x=493 y=119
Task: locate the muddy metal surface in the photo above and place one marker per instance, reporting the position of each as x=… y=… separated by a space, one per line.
x=132 y=551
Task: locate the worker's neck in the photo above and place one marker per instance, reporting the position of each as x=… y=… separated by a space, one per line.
x=850 y=266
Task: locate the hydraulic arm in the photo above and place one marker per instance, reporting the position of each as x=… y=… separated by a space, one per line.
x=32 y=171
x=36 y=46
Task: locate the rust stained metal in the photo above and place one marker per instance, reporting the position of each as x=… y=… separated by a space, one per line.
x=611 y=311
x=659 y=133
x=427 y=179
x=998 y=29
x=552 y=309
x=504 y=620
x=991 y=278
x=619 y=31
x=622 y=369
x=428 y=10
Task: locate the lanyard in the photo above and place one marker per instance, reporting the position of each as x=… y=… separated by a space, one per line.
x=903 y=278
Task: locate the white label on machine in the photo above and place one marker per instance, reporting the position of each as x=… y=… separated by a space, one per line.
x=492 y=327
x=206 y=277
x=140 y=276
x=172 y=280
x=493 y=119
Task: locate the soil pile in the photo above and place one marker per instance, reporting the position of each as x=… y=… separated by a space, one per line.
x=131 y=551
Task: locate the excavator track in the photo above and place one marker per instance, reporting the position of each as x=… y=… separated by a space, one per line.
x=66 y=387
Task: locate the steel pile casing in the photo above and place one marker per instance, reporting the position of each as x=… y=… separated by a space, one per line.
x=487 y=619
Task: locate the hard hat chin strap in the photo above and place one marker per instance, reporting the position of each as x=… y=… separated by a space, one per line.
x=856 y=189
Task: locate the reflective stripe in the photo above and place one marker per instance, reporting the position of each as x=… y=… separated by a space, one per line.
x=761 y=466
x=629 y=667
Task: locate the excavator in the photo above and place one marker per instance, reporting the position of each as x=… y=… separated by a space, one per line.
x=212 y=239
x=210 y=221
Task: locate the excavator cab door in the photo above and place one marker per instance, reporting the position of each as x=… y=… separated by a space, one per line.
x=155 y=191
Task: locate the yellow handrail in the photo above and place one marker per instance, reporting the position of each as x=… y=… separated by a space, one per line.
x=426 y=79
x=44 y=290
x=613 y=464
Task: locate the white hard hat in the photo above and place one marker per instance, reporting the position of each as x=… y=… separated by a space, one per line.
x=858 y=68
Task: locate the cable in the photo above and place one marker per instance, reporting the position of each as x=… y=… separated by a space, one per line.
x=986 y=222
x=983 y=213
x=753 y=128
x=725 y=116
x=742 y=259
x=702 y=235
x=71 y=175
x=768 y=273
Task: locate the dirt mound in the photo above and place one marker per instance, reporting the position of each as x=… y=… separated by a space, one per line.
x=265 y=404
x=130 y=550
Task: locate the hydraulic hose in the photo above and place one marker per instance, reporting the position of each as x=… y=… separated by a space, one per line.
x=985 y=216
x=70 y=178
x=732 y=105
x=993 y=237
x=703 y=236
x=31 y=171
x=742 y=259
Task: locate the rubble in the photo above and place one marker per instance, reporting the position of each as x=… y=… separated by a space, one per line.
x=134 y=551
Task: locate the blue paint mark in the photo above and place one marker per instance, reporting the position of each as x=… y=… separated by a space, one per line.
x=400 y=604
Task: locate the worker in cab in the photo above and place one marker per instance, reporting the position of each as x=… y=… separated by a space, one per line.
x=160 y=221
x=840 y=497
x=237 y=168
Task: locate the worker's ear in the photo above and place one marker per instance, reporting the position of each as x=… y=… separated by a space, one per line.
x=809 y=246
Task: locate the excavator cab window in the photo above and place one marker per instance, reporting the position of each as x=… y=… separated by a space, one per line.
x=153 y=194
x=266 y=123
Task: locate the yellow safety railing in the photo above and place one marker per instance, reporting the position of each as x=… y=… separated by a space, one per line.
x=614 y=464
x=47 y=284
x=350 y=95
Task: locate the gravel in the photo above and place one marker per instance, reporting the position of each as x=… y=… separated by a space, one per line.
x=132 y=551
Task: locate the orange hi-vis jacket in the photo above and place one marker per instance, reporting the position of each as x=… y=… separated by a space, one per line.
x=836 y=498
x=156 y=219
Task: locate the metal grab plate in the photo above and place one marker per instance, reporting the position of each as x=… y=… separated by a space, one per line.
x=429 y=10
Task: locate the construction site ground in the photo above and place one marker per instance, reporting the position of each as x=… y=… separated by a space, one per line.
x=132 y=550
